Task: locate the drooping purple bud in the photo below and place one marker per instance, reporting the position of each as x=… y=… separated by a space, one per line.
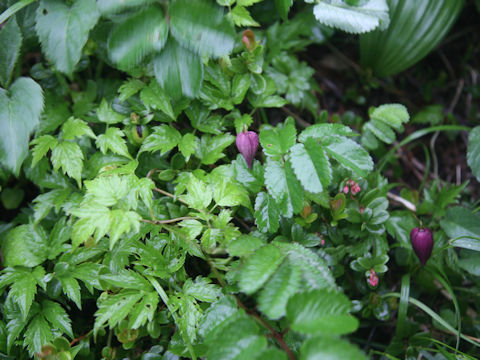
x=247 y=144
x=422 y=243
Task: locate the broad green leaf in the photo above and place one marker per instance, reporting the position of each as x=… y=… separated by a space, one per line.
x=199 y=194
x=277 y=141
x=311 y=166
x=115 y=6
x=320 y=348
x=273 y=298
x=57 y=316
x=63 y=30
x=41 y=146
x=267 y=213
x=321 y=312
x=393 y=115
x=113 y=140
x=470 y=261
x=188 y=145
x=154 y=97
x=75 y=128
x=464 y=226
x=320 y=131
x=20 y=110
x=163 y=138
x=283 y=186
x=349 y=154
x=244 y=245
x=178 y=70
x=399 y=225
x=201 y=27
x=37 y=334
x=211 y=148
x=473 y=152
x=202 y=289
x=353 y=19
x=259 y=267
x=24 y=245
x=107 y=115
x=10 y=43
x=216 y=316
x=69 y=157
x=242 y=17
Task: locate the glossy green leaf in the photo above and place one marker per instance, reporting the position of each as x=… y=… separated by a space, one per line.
x=473 y=152
x=23 y=290
x=217 y=316
x=188 y=145
x=244 y=245
x=138 y=36
x=57 y=316
x=463 y=227
x=113 y=140
x=321 y=312
x=10 y=43
x=154 y=97
x=311 y=166
x=349 y=154
x=163 y=138
x=320 y=131
x=267 y=213
x=178 y=70
x=115 y=6
x=199 y=194
x=127 y=279
x=200 y=26
x=277 y=141
x=75 y=128
x=24 y=245
x=107 y=115
x=20 y=110
x=69 y=157
x=319 y=348
x=202 y=289
x=211 y=148
x=144 y=311
x=259 y=267
x=37 y=334
x=63 y=30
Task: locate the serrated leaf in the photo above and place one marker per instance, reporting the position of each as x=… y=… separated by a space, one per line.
x=69 y=157
x=154 y=97
x=43 y=203
x=139 y=35
x=329 y=348
x=277 y=141
x=129 y=88
x=24 y=246
x=353 y=19
x=107 y=115
x=201 y=27
x=188 y=145
x=283 y=186
x=23 y=290
x=320 y=131
x=71 y=288
x=349 y=154
x=259 y=267
x=242 y=17
x=107 y=7
x=211 y=148
x=144 y=310
x=473 y=151
x=228 y=192
x=10 y=43
x=321 y=312
x=171 y=70
x=122 y=222
x=127 y=279
x=216 y=316
x=393 y=115
x=244 y=245
x=252 y=179
x=75 y=128
x=57 y=316
x=199 y=195
x=41 y=147
x=163 y=138
x=20 y=110
x=37 y=334
x=113 y=140
x=273 y=298
x=311 y=166
x=267 y=213
x=63 y=30
x=202 y=289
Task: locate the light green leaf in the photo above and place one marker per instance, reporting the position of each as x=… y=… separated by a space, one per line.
x=23 y=290
x=137 y=36
x=201 y=27
x=69 y=157
x=129 y=88
x=57 y=316
x=178 y=70
x=393 y=115
x=247 y=2
x=10 y=43
x=320 y=348
x=320 y=131
x=199 y=194
x=75 y=128
x=267 y=213
x=20 y=110
x=202 y=289
x=259 y=267
x=277 y=141
x=244 y=245
x=107 y=115
x=188 y=145
x=218 y=315
x=321 y=312
x=113 y=140
x=473 y=152
x=228 y=192
x=163 y=138
x=242 y=17
x=37 y=334
x=144 y=310
x=63 y=30
x=273 y=298
x=252 y=179
x=107 y=7
x=349 y=154
x=311 y=166
x=353 y=19
x=24 y=245
x=127 y=279
x=43 y=203
x=121 y=222
x=41 y=147
x=211 y=147
x=154 y=97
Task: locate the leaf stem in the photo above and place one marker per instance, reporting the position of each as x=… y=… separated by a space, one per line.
x=12 y=10
x=166 y=193
x=160 y=222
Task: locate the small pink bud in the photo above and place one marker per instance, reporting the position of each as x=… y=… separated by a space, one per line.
x=345 y=189
x=248 y=39
x=355 y=189
x=373 y=279
x=247 y=144
x=422 y=243
x=361 y=209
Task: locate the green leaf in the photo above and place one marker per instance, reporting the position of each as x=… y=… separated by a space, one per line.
x=353 y=19
x=20 y=109
x=10 y=43
x=113 y=140
x=283 y=186
x=69 y=157
x=463 y=226
x=24 y=246
x=63 y=30
x=127 y=279
x=75 y=128
x=57 y=316
x=317 y=348
x=144 y=310
x=107 y=7
x=188 y=145
x=211 y=148
x=199 y=194
x=247 y=2
x=201 y=27
x=163 y=138
x=71 y=288
x=259 y=268
x=399 y=225
x=202 y=289
x=43 y=203
x=311 y=166
x=178 y=70
x=129 y=88
x=349 y=154
x=244 y=245
x=321 y=131
x=41 y=147
x=321 y=312
x=473 y=152
x=37 y=334
x=267 y=213
x=283 y=7
x=252 y=179
x=273 y=298
x=228 y=192
x=242 y=17
x=386 y=117
x=107 y=115
x=23 y=290
x=121 y=222
x=154 y=97
x=138 y=36
x=277 y=141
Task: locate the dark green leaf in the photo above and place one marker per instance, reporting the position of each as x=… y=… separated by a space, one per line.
x=10 y=43
x=37 y=334
x=154 y=97
x=115 y=6
x=127 y=279
x=319 y=348
x=163 y=138
x=473 y=153
x=461 y=223
x=267 y=213
x=283 y=7
x=244 y=245
x=349 y=154
x=57 y=316
x=211 y=147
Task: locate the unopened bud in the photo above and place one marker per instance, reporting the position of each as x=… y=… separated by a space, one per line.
x=247 y=144
x=248 y=39
x=373 y=278
x=422 y=243
x=345 y=189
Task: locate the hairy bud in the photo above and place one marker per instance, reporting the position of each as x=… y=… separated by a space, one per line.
x=247 y=144
x=422 y=243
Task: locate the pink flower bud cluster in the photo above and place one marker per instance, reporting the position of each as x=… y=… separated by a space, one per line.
x=373 y=278
x=351 y=186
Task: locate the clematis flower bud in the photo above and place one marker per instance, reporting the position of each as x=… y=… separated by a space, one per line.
x=373 y=278
x=247 y=144
x=422 y=243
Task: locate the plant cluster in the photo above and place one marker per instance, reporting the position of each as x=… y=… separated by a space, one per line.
x=166 y=198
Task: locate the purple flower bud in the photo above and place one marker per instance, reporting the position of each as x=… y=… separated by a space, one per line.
x=422 y=242
x=247 y=144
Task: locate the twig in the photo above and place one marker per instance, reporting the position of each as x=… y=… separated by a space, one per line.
x=300 y=121
x=80 y=338
x=410 y=206
x=169 y=221
x=166 y=193
x=458 y=92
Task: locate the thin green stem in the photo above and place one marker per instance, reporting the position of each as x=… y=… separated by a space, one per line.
x=12 y=10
